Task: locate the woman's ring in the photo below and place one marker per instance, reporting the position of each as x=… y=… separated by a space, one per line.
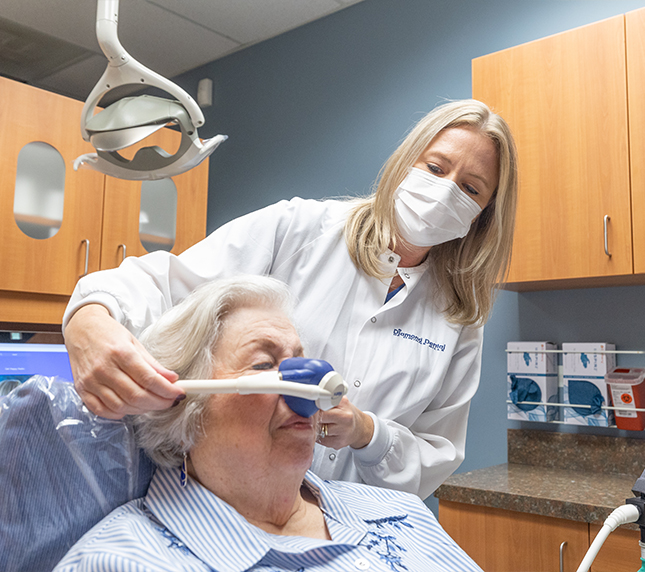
x=323 y=431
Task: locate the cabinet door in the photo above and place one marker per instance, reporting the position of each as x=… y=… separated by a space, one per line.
x=565 y=100
x=50 y=265
x=504 y=541
x=635 y=30
x=123 y=208
x=619 y=553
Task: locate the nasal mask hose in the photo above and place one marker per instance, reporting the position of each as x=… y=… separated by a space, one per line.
x=132 y=119
x=306 y=384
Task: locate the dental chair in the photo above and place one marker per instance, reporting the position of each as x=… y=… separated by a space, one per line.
x=62 y=469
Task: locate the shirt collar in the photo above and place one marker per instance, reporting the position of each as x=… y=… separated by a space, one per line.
x=220 y=537
x=343 y=525
x=390 y=261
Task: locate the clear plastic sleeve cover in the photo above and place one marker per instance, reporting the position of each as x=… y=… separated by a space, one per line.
x=62 y=470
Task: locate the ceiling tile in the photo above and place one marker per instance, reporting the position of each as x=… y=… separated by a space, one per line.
x=71 y=21
x=167 y=43
x=249 y=21
x=76 y=80
x=168 y=36
x=30 y=55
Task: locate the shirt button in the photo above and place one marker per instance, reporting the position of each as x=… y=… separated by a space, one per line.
x=332 y=456
x=362 y=564
x=374 y=320
x=357 y=383
x=406 y=275
x=391 y=259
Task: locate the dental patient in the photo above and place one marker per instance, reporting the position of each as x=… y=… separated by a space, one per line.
x=232 y=491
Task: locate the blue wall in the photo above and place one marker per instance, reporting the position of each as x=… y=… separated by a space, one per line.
x=316 y=111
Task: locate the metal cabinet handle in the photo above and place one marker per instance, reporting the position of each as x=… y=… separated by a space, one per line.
x=86 y=242
x=606 y=222
x=562 y=555
x=123 y=246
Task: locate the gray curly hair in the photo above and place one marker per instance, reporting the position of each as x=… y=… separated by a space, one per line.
x=184 y=340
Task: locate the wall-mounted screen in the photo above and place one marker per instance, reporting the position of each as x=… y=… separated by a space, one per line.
x=18 y=362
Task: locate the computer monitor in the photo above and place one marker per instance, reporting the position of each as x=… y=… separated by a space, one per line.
x=19 y=362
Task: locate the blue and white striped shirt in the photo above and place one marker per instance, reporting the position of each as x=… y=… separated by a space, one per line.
x=175 y=529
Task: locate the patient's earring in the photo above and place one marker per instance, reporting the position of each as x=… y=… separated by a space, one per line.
x=183 y=479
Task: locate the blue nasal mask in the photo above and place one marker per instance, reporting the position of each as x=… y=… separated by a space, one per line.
x=306 y=384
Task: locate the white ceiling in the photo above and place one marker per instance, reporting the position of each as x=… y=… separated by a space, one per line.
x=52 y=43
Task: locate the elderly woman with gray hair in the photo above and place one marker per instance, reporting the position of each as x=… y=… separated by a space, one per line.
x=248 y=501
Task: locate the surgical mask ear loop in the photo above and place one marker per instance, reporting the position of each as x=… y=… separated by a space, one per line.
x=183 y=475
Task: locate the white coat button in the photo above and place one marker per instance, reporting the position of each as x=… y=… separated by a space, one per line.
x=362 y=564
x=332 y=456
x=357 y=383
x=374 y=320
x=391 y=259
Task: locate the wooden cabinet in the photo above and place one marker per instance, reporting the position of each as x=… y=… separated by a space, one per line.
x=635 y=34
x=50 y=266
x=566 y=100
x=619 y=553
x=122 y=209
x=506 y=541
x=100 y=213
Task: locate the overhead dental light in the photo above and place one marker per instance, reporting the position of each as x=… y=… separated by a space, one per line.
x=132 y=119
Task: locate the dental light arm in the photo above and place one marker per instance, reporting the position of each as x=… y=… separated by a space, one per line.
x=306 y=384
x=123 y=69
x=132 y=119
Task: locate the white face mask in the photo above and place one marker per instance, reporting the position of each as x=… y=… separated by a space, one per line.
x=431 y=210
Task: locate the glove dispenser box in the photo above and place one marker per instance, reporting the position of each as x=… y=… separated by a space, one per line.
x=584 y=371
x=532 y=378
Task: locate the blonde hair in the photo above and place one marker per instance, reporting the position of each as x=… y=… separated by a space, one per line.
x=184 y=340
x=467 y=270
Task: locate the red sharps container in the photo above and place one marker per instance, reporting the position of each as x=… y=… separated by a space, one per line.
x=627 y=388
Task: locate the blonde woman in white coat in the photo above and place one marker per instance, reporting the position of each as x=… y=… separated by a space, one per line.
x=393 y=291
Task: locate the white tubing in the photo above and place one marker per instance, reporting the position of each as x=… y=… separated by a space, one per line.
x=266 y=382
x=622 y=515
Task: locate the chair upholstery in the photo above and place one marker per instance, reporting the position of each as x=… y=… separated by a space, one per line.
x=62 y=469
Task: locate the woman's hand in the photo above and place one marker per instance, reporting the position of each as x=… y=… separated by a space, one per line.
x=113 y=373
x=346 y=426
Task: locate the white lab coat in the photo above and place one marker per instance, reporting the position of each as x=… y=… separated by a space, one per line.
x=414 y=372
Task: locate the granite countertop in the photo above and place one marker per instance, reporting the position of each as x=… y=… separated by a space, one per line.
x=562 y=475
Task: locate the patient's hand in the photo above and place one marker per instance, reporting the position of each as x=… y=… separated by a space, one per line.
x=347 y=425
x=113 y=372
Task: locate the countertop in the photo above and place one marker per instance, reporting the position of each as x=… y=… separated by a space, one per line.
x=562 y=475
